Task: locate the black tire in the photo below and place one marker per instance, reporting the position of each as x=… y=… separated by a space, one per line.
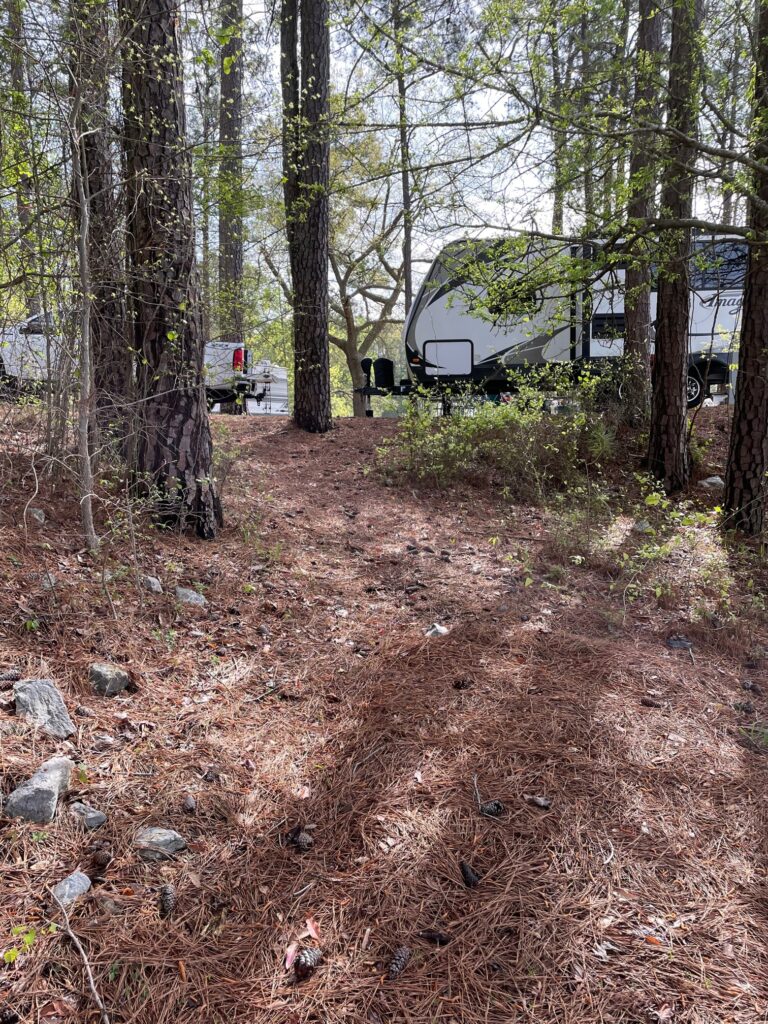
x=696 y=390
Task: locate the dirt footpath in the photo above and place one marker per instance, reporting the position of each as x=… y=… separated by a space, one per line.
x=623 y=881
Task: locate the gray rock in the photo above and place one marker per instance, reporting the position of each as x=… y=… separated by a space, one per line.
x=36 y=799
x=71 y=888
x=38 y=515
x=713 y=483
x=152 y=584
x=186 y=596
x=108 y=680
x=91 y=817
x=40 y=703
x=436 y=630
x=159 y=843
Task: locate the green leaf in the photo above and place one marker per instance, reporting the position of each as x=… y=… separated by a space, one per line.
x=11 y=955
x=206 y=57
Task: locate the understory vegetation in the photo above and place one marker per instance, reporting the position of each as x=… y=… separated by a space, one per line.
x=547 y=435
x=570 y=458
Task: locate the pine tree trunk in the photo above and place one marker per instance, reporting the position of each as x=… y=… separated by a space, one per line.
x=306 y=170
x=745 y=480
x=110 y=350
x=208 y=117
x=174 y=451
x=289 y=85
x=668 y=456
x=231 y=215
x=642 y=184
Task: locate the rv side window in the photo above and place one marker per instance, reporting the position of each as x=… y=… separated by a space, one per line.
x=608 y=326
x=719 y=266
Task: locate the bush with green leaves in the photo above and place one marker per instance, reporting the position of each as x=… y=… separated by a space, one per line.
x=541 y=438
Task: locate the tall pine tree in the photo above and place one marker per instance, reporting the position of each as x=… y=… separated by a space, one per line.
x=174 y=451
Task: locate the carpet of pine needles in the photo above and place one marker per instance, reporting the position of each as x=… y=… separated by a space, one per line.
x=307 y=693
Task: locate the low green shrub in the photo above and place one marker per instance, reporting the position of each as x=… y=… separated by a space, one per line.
x=544 y=438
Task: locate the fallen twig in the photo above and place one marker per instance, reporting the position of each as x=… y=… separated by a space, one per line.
x=67 y=929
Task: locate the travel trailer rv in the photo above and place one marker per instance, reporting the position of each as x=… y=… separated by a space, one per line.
x=484 y=310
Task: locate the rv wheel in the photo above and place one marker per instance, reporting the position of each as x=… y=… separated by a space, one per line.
x=694 y=389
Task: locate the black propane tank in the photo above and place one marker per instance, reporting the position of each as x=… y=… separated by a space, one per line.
x=384 y=374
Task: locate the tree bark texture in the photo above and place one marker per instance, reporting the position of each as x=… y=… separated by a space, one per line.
x=174 y=451
x=668 y=455
x=642 y=186
x=306 y=173
x=745 y=480
x=25 y=189
x=231 y=212
x=110 y=345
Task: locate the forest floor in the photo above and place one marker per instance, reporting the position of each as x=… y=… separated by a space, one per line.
x=625 y=880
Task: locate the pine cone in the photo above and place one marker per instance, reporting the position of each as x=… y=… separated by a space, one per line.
x=470 y=876
x=302 y=840
x=167 y=900
x=102 y=859
x=10 y=675
x=492 y=808
x=399 y=962
x=306 y=961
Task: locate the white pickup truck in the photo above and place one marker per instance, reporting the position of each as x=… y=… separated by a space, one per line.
x=227 y=373
x=30 y=354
